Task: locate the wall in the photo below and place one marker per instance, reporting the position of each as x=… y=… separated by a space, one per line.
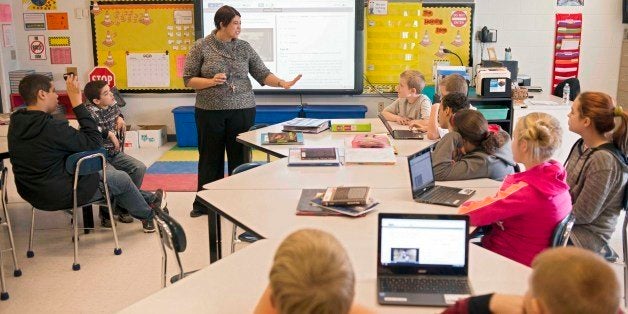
x=7 y=63
x=525 y=25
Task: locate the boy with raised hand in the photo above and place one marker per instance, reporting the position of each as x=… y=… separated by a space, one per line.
x=563 y=280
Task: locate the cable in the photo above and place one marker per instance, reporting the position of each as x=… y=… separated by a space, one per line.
x=377 y=90
x=455 y=54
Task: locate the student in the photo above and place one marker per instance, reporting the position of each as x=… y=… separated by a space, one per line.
x=472 y=150
x=39 y=146
x=453 y=83
x=563 y=280
x=103 y=108
x=311 y=273
x=411 y=106
x=596 y=169
x=528 y=206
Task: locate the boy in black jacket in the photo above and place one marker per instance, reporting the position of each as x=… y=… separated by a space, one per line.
x=39 y=146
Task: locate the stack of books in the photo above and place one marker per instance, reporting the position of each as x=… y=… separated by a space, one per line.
x=16 y=76
x=316 y=202
x=306 y=125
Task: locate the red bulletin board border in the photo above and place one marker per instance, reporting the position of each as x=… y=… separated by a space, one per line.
x=566 y=61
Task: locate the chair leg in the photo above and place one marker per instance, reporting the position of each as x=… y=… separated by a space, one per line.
x=76 y=266
x=30 y=252
x=4 y=295
x=116 y=250
x=16 y=269
x=164 y=260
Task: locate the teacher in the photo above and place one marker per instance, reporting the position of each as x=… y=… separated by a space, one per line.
x=217 y=67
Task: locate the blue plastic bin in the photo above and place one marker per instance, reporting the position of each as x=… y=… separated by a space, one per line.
x=185 y=126
x=273 y=114
x=334 y=111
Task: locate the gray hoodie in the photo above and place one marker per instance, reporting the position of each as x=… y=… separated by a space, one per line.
x=473 y=165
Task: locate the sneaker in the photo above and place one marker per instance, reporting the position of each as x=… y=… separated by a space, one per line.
x=160 y=200
x=125 y=218
x=148 y=225
x=197 y=213
x=105 y=221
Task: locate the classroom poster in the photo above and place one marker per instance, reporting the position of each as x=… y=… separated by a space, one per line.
x=6 y=15
x=8 y=35
x=57 y=21
x=37 y=47
x=34 y=21
x=40 y=5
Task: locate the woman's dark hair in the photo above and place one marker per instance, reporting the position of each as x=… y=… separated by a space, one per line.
x=473 y=127
x=599 y=107
x=224 y=15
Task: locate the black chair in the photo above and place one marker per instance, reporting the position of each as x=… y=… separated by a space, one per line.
x=562 y=231
x=6 y=222
x=79 y=164
x=245 y=236
x=574 y=88
x=255 y=127
x=172 y=236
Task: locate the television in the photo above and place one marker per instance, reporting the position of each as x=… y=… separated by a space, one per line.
x=323 y=40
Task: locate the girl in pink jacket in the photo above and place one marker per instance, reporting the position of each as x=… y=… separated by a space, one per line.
x=530 y=204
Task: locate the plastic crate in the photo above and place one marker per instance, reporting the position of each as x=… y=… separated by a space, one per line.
x=334 y=111
x=185 y=126
x=493 y=112
x=273 y=114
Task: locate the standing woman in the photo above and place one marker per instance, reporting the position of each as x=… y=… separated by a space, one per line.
x=217 y=67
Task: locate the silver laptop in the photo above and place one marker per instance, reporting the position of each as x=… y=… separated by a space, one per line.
x=422 y=259
x=424 y=189
x=401 y=134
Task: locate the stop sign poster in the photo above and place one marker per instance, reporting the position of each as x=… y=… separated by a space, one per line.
x=103 y=74
x=37 y=47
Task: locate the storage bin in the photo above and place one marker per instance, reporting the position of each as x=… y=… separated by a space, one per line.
x=185 y=126
x=334 y=111
x=493 y=112
x=273 y=114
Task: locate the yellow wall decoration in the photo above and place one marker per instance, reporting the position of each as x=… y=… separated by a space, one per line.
x=40 y=5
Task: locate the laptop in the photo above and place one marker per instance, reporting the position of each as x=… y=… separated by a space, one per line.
x=401 y=134
x=422 y=181
x=422 y=259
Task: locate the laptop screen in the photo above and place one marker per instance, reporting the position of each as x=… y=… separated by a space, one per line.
x=386 y=124
x=421 y=172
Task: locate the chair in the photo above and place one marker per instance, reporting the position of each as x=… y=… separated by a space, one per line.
x=574 y=88
x=245 y=236
x=171 y=235
x=17 y=272
x=562 y=231
x=255 y=127
x=79 y=164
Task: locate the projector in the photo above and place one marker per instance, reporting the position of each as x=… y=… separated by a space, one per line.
x=493 y=82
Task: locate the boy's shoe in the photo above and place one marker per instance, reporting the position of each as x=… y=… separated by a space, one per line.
x=197 y=213
x=105 y=221
x=159 y=201
x=125 y=218
x=148 y=225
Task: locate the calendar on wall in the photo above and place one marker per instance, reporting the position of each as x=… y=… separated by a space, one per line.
x=147 y=70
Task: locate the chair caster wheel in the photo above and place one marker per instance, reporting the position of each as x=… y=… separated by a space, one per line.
x=4 y=296
x=117 y=251
x=76 y=267
x=17 y=273
x=30 y=254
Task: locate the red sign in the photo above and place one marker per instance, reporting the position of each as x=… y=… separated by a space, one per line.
x=103 y=74
x=459 y=18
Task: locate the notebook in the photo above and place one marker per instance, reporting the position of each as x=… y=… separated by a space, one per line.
x=313 y=157
x=401 y=134
x=424 y=190
x=422 y=259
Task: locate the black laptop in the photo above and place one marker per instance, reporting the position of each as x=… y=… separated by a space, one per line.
x=422 y=259
x=424 y=190
x=401 y=134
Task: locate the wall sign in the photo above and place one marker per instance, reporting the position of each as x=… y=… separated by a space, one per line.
x=37 y=47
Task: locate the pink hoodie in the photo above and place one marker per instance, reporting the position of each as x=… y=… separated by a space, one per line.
x=524 y=212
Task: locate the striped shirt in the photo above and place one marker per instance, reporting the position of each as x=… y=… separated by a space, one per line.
x=106 y=120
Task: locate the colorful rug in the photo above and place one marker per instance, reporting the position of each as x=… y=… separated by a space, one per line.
x=177 y=170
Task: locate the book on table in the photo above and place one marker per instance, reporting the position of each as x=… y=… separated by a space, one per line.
x=346 y=195
x=306 y=125
x=313 y=157
x=310 y=205
x=282 y=138
x=351 y=127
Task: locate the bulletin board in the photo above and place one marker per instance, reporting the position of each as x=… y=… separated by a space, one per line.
x=144 y=43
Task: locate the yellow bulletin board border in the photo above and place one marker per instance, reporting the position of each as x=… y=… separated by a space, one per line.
x=115 y=29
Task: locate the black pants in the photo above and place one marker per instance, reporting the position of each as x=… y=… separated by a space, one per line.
x=217 y=131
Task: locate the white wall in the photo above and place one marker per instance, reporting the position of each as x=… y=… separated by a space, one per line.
x=525 y=25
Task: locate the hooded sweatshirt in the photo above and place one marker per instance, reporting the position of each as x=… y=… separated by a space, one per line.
x=524 y=212
x=473 y=165
x=39 y=146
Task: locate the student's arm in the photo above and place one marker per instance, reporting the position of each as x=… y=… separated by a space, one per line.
x=589 y=204
x=391 y=112
x=69 y=139
x=505 y=204
x=432 y=125
x=424 y=113
x=444 y=158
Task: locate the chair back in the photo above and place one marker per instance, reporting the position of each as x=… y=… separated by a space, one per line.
x=171 y=232
x=562 y=231
x=86 y=162
x=574 y=88
x=258 y=126
x=247 y=166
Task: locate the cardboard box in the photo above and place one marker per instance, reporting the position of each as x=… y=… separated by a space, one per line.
x=151 y=135
x=131 y=139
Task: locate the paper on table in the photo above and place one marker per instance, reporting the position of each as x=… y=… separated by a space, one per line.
x=543 y=102
x=385 y=156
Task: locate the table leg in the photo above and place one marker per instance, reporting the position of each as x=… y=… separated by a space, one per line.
x=88 y=218
x=215 y=237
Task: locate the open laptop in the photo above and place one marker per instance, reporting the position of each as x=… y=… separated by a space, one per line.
x=422 y=181
x=401 y=134
x=422 y=259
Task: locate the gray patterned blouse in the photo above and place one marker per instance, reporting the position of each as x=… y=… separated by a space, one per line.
x=237 y=59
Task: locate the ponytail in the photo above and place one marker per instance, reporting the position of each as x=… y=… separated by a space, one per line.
x=621 y=128
x=494 y=140
x=473 y=127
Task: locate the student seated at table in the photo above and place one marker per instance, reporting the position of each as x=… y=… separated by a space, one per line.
x=103 y=108
x=311 y=273
x=563 y=280
x=530 y=204
x=473 y=149
x=453 y=83
x=411 y=106
x=39 y=146
x=596 y=169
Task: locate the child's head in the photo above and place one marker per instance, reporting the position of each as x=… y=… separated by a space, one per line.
x=450 y=104
x=311 y=273
x=473 y=129
x=411 y=84
x=36 y=89
x=597 y=111
x=572 y=280
x=453 y=83
x=536 y=137
x=99 y=93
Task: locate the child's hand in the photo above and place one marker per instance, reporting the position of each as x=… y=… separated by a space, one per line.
x=120 y=124
x=402 y=120
x=115 y=141
x=416 y=125
x=73 y=89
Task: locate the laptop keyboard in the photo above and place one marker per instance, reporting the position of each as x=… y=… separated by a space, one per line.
x=424 y=285
x=440 y=194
